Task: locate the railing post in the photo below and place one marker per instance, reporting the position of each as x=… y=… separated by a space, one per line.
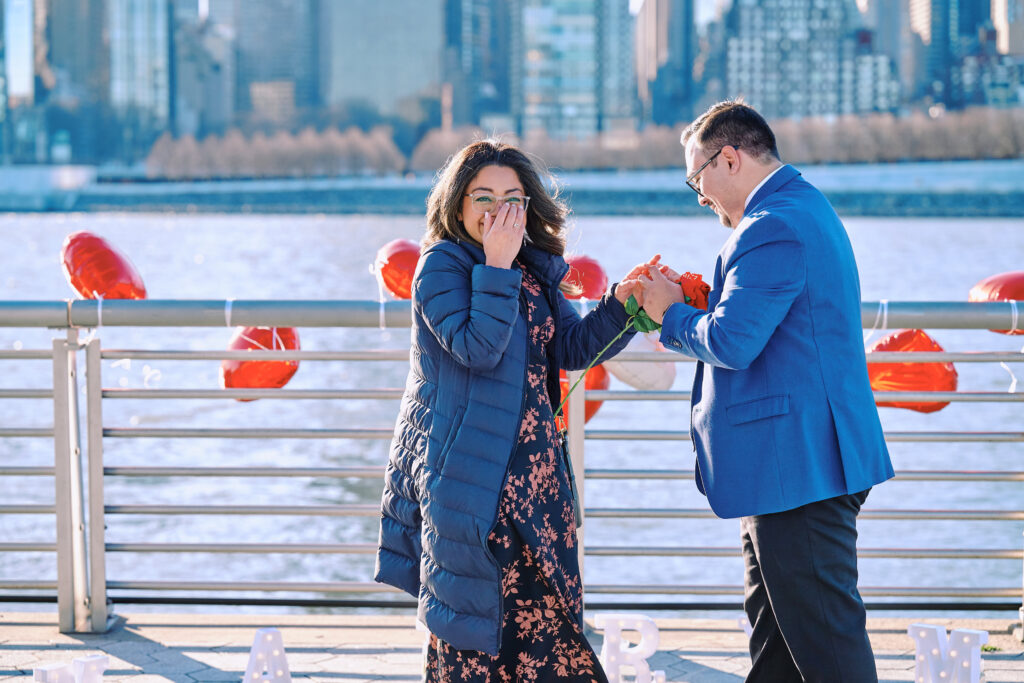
x=72 y=578
x=575 y=412
x=1020 y=612
x=100 y=619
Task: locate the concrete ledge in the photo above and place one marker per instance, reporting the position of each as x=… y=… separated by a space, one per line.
x=215 y=647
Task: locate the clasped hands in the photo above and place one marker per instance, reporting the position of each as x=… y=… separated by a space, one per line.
x=654 y=285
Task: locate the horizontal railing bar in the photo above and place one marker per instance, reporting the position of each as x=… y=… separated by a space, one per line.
x=140 y=354
x=906 y=553
x=34 y=313
x=352 y=510
x=670 y=435
x=360 y=394
x=994 y=315
x=26 y=547
x=374 y=472
x=901 y=475
x=27 y=432
x=617 y=605
x=268 y=586
x=384 y=433
x=945 y=357
x=215 y=313
x=27 y=509
x=18 y=585
x=867 y=591
x=698 y=513
x=26 y=393
x=333 y=472
x=27 y=354
x=255 y=548
x=625 y=356
x=950 y=396
x=891 y=396
x=136 y=433
x=27 y=471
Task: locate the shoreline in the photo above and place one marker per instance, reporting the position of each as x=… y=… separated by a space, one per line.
x=961 y=189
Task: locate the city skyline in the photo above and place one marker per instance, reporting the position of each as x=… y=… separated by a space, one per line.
x=110 y=77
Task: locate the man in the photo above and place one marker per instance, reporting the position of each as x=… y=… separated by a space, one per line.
x=783 y=421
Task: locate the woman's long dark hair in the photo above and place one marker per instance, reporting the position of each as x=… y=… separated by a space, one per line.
x=545 y=216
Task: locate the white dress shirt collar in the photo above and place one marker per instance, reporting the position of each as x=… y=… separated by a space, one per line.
x=759 y=185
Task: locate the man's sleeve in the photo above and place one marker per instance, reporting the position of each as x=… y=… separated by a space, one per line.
x=764 y=275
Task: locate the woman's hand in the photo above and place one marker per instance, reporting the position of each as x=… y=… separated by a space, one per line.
x=503 y=235
x=630 y=283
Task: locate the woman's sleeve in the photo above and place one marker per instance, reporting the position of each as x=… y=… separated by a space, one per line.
x=578 y=340
x=470 y=309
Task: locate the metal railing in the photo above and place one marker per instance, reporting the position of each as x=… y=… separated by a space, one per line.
x=82 y=511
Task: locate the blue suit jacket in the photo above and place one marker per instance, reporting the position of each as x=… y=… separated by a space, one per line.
x=782 y=412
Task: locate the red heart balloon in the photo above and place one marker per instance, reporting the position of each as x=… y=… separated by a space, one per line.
x=597 y=380
x=911 y=376
x=395 y=265
x=260 y=374
x=588 y=275
x=1002 y=287
x=95 y=269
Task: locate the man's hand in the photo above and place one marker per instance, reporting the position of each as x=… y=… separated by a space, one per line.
x=659 y=293
x=630 y=284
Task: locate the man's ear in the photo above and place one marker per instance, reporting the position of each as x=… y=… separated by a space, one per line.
x=732 y=157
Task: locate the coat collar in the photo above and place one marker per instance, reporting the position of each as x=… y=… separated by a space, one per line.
x=549 y=268
x=781 y=177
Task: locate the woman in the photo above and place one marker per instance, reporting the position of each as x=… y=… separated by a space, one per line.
x=477 y=515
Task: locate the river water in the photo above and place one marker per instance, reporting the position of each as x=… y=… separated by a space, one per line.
x=185 y=256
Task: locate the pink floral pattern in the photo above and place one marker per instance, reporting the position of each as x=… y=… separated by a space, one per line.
x=534 y=542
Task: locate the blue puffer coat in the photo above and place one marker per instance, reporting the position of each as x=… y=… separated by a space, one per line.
x=458 y=425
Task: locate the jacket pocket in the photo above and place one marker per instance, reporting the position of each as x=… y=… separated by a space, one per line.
x=453 y=431
x=758 y=409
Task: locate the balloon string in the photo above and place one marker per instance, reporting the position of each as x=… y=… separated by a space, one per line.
x=227 y=312
x=380 y=300
x=1013 y=328
x=256 y=343
x=99 y=319
x=882 y=316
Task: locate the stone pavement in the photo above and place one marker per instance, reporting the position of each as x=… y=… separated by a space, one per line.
x=353 y=648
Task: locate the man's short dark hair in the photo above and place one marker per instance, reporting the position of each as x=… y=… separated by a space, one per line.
x=733 y=123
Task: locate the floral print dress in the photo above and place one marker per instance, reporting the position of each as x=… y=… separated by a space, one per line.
x=534 y=543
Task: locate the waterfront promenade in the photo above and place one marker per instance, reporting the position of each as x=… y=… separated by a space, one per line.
x=354 y=648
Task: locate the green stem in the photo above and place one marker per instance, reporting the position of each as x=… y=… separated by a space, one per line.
x=629 y=322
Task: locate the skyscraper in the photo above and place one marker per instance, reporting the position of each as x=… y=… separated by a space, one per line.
x=78 y=56
x=277 y=56
x=616 y=76
x=575 y=75
x=1008 y=18
x=560 y=73
x=666 y=48
x=368 y=56
x=479 y=38
x=140 y=71
x=5 y=126
x=784 y=56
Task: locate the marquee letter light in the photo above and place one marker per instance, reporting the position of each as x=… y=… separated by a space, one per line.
x=941 y=660
x=616 y=652
x=267 y=661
